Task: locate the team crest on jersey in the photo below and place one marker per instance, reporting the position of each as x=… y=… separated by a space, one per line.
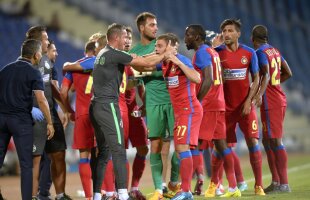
x=173 y=69
x=47 y=65
x=244 y=60
x=34 y=148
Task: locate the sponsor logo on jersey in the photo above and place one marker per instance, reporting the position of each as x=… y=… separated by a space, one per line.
x=244 y=60
x=173 y=81
x=235 y=74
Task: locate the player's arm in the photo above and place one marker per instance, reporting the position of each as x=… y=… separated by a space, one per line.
x=264 y=77
x=246 y=108
x=206 y=83
x=64 y=91
x=43 y=105
x=143 y=64
x=286 y=72
x=72 y=66
x=187 y=68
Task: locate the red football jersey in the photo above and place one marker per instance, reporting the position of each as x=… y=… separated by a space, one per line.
x=274 y=96
x=182 y=91
x=236 y=66
x=205 y=56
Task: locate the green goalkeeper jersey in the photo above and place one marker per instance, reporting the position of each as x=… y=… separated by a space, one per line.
x=156 y=92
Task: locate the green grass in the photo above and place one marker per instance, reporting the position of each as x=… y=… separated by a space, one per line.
x=299 y=179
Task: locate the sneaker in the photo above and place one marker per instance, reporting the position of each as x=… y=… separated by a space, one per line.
x=198 y=187
x=236 y=193
x=168 y=194
x=210 y=192
x=137 y=195
x=44 y=197
x=156 y=196
x=219 y=190
x=105 y=197
x=242 y=186
x=65 y=197
x=259 y=190
x=174 y=188
x=284 y=188
x=273 y=187
x=183 y=196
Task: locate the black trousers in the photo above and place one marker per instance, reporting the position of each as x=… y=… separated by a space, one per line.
x=106 y=119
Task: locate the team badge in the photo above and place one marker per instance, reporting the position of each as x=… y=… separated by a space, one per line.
x=47 y=65
x=173 y=69
x=244 y=60
x=34 y=148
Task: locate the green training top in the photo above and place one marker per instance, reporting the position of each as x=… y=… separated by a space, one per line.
x=156 y=92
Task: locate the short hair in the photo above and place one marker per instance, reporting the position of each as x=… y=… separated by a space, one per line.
x=115 y=29
x=142 y=17
x=35 y=32
x=129 y=29
x=199 y=30
x=235 y=22
x=102 y=41
x=90 y=46
x=50 y=43
x=95 y=36
x=260 y=33
x=169 y=36
x=30 y=47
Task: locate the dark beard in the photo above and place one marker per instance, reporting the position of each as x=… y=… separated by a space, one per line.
x=149 y=38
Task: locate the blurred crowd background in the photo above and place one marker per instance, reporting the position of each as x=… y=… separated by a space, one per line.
x=71 y=22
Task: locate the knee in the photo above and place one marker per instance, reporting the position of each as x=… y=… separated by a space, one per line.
x=142 y=151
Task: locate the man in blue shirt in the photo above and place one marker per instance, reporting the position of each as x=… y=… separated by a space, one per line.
x=18 y=80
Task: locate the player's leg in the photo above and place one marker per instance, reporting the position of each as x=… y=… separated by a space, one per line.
x=164 y=157
x=83 y=140
x=249 y=127
x=138 y=138
x=55 y=148
x=45 y=181
x=276 y=127
x=156 y=128
x=173 y=185
x=275 y=179
x=39 y=140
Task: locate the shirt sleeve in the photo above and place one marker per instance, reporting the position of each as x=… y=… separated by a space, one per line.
x=67 y=80
x=54 y=74
x=254 y=63
x=262 y=58
x=88 y=64
x=37 y=81
x=123 y=58
x=203 y=59
x=186 y=61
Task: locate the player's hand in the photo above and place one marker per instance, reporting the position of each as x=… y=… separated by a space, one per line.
x=65 y=119
x=37 y=114
x=133 y=55
x=246 y=108
x=50 y=131
x=257 y=100
x=72 y=116
x=217 y=40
